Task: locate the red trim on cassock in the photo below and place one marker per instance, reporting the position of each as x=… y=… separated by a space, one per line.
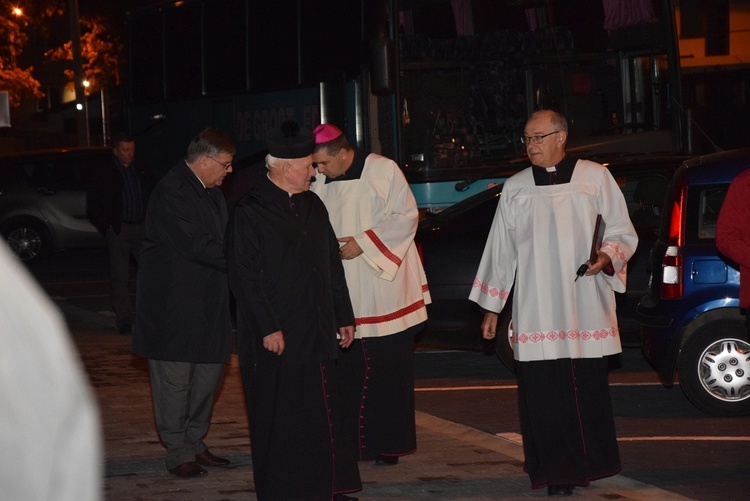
x=391 y=316
x=382 y=248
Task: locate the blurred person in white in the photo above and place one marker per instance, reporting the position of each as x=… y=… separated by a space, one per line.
x=50 y=434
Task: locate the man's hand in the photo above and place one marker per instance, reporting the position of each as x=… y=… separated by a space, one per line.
x=274 y=342
x=347 y=336
x=350 y=249
x=489 y=325
x=602 y=261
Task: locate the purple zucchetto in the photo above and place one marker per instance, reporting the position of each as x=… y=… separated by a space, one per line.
x=326 y=132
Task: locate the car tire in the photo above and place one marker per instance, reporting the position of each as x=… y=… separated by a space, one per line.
x=28 y=240
x=714 y=369
x=504 y=333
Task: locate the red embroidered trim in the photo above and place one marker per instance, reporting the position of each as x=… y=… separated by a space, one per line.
x=619 y=253
x=539 y=337
x=391 y=316
x=425 y=288
x=491 y=291
x=382 y=248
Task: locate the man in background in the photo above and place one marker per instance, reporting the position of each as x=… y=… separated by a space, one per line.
x=116 y=206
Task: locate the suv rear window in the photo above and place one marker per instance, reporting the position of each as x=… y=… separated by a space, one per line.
x=703 y=211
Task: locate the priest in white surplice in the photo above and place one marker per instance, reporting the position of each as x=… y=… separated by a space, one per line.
x=563 y=329
x=374 y=215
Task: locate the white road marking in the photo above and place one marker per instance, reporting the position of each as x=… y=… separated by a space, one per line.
x=513 y=387
x=517 y=439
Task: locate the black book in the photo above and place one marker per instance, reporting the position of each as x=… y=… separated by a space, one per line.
x=596 y=243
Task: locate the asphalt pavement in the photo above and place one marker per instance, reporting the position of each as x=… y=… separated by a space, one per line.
x=453 y=461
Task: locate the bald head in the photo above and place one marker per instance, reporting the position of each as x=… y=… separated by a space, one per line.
x=546 y=134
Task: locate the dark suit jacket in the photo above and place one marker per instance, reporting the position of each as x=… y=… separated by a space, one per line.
x=286 y=274
x=182 y=295
x=104 y=197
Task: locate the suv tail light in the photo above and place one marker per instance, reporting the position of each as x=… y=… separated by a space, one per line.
x=672 y=262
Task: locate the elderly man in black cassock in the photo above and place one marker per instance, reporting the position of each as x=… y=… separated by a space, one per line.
x=293 y=309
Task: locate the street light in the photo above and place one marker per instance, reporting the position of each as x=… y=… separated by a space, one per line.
x=75 y=36
x=86 y=84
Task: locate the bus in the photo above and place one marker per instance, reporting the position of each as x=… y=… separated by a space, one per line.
x=442 y=87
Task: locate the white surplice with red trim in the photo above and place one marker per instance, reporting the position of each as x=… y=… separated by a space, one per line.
x=387 y=282
x=539 y=238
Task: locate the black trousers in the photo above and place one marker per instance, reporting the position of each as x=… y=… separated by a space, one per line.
x=378 y=390
x=566 y=421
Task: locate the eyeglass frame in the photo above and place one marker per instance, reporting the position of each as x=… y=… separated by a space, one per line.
x=538 y=139
x=226 y=166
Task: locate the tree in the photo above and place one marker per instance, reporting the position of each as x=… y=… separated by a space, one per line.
x=100 y=51
x=18 y=81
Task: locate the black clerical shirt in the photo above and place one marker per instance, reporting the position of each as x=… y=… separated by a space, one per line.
x=562 y=175
x=355 y=169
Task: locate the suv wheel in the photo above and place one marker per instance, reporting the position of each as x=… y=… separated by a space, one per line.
x=27 y=240
x=714 y=369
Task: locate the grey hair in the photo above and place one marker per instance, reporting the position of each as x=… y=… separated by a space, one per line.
x=273 y=162
x=209 y=142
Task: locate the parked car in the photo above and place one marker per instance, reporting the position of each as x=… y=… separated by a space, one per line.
x=689 y=323
x=43 y=200
x=452 y=242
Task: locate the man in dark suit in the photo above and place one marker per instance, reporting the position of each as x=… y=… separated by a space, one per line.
x=182 y=302
x=116 y=206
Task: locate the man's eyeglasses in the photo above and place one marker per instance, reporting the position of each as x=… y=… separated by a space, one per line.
x=226 y=166
x=536 y=139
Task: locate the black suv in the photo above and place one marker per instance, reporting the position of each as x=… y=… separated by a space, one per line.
x=690 y=323
x=43 y=200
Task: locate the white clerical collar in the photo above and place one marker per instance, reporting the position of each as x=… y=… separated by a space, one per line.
x=551 y=169
x=196 y=175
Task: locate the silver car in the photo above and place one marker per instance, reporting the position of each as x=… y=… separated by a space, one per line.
x=43 y=200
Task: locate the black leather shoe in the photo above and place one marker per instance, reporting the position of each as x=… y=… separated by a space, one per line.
x=560 y=490
x=188 y=470
x=383 y=459
x=207 y=459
